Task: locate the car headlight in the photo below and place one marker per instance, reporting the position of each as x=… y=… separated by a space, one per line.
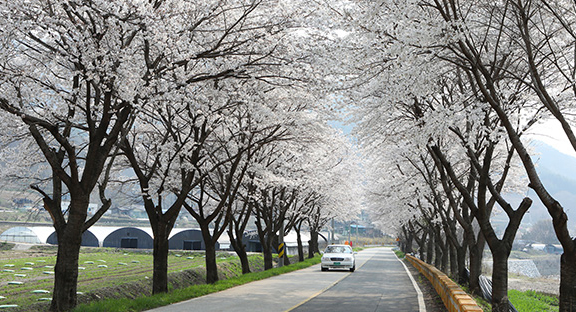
x=325 y=258
x=348 y=259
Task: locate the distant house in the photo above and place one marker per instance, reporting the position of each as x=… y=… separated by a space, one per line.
x=92 y=208
x=556 y=249
x=132 y=211
x=548 y=248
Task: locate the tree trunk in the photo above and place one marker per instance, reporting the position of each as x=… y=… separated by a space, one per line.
x=268 y=259
x=211 y=267
x=438 y=255
x=313 y=244
x=210 y=252
x=453 y=261
x=408 y=243
x=462 y=276
x=243 y=255
x=160 y=253
x=500 y=301
x=444 y=259
x=300 y=246
x=476 y=254
x=66 y=269
x=430 y=247
x=421 y=241
x=240 y=249
x=567 y=282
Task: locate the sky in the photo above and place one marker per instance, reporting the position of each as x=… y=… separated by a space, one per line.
x=551 y=133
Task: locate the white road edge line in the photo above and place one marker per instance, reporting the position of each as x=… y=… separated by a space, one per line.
x=418 y=291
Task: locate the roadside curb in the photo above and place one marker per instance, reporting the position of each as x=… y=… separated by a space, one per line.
x=454 y=298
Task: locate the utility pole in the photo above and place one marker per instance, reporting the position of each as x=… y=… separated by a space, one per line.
x=332 y=235
x=281 y=248
x=349 y=231
x=357 y=226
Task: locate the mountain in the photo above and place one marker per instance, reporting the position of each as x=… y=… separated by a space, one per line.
x=558 y=174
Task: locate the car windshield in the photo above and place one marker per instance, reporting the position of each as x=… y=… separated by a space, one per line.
x=338 y=249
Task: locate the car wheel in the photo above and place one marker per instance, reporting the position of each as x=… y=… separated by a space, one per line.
x=324 y=269
x=352 y=269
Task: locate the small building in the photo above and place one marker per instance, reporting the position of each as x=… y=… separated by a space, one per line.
x=188 y=239
x=130 y=237
x=88 y=239
x=252 y=241
x=114 y=237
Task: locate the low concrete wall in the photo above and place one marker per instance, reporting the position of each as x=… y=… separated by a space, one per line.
x=454 y=298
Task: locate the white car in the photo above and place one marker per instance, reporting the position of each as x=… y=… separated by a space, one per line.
x=338 y=257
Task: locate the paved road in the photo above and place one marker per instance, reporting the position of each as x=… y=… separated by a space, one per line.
x=380 y=283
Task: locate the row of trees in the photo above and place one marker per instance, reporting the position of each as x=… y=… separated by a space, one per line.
x=213 y=107
x=449 y=88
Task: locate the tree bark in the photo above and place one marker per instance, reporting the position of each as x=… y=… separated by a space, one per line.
x=160 y=255
x=299 y=241
x=211 y=266
x=313 y=244
x=66 y=269
x=500 y=301
x=210 y=252
x=476 y=251
x=430 y=247
x=407 y=241
x=453 y=262
x=239 y=248
x=462 y=276
x=268 y=259
x=567 y=282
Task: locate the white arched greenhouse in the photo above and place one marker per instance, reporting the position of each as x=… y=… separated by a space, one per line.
x=27 y=234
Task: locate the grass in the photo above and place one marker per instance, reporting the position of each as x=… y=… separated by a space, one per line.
x=528 y=301
x=98 y=268
x=523 y=301
x=399 y=254
x=144 y=303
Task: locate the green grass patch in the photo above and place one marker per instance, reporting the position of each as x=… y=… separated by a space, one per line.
x=144 y=303
x=6 y=246
x=528 y=301
x=121 y=267
x=399 y=254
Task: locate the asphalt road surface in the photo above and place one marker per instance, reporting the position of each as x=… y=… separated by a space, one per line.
x=380 y=283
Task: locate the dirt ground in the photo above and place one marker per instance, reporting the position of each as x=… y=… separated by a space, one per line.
x=432 y=300
x=547 y=285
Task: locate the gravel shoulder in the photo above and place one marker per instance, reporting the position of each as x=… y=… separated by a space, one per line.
x=432 y=300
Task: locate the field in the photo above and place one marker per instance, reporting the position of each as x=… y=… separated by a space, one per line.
x=27 y=277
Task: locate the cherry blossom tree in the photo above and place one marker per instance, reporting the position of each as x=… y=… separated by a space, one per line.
x=189 y=116
x=68 y=76
x=411 y=43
